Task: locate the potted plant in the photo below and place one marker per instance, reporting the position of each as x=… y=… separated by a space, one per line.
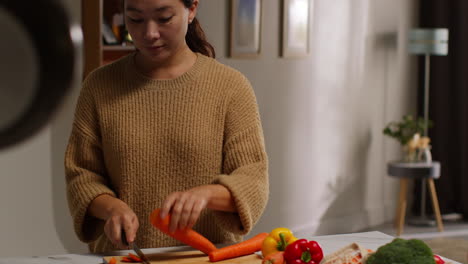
x=408 y=133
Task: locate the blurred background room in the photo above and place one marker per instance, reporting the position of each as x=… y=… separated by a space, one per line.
x=326 y=91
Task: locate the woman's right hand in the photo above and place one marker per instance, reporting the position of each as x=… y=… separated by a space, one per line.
x=118 y=216
x=121 y=218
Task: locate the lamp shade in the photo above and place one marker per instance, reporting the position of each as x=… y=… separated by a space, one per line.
x=428 y=41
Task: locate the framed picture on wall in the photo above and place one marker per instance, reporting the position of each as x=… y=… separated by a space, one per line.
x=245 y=28
x=296 y=28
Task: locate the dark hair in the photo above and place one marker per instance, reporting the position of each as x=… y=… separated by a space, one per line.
x=196 y=38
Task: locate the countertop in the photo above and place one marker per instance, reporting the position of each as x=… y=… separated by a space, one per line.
x=330 y=243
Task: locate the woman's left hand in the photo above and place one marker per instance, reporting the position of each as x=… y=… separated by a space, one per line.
x=185 y=207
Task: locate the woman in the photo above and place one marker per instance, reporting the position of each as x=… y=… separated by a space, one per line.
x=166 y=127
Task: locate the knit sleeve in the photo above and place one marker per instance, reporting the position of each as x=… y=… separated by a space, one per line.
x=84 y=168
x=245 y=163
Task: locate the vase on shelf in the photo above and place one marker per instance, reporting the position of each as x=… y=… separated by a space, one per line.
x=417 y=150
x=409 y=155
x=424 y=155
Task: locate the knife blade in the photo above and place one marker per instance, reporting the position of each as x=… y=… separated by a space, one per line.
x=140 y=253
x=135 y=248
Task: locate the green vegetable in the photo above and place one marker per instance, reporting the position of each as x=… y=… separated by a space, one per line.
x=401 y=251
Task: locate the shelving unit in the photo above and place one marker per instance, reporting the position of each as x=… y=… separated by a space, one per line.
x=117 y=47
x=96 y=54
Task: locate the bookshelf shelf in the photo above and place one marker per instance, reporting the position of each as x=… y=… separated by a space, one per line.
x=94 y=14
x=118 y=47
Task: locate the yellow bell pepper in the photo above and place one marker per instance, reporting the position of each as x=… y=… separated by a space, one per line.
x=277 y=240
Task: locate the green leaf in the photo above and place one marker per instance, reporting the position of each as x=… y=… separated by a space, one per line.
x=404 y=130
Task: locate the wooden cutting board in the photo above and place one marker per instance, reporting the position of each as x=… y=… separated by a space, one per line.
x=185 y=257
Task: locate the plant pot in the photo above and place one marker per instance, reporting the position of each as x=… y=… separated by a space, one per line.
x=424 y=155
x=417 y=155
x=409 y=155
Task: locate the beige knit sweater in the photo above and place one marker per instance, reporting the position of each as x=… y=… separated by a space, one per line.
x=140 y=139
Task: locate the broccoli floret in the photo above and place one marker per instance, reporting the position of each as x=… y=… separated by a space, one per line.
x=401 y=251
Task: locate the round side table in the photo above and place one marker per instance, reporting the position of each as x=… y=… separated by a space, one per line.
x=415 y=170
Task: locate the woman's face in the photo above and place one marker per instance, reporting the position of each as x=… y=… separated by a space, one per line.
x=158 y=27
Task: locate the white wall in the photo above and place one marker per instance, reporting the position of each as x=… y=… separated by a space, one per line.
x=322 y=117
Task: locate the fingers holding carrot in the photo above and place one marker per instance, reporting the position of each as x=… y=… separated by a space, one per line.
x=185 y=208
x=185 y=214
x=186 y=236
x=181 y=210
x=196 y=212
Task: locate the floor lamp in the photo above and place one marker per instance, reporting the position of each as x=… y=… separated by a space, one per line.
x=427 y=42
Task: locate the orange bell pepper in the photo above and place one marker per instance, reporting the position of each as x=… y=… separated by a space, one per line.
x=277 y=240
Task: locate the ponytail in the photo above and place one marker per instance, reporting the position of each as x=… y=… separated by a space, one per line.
x=195 y=38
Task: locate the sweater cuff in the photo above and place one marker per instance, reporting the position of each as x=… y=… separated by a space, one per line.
x=250 y=200
x=87 y=228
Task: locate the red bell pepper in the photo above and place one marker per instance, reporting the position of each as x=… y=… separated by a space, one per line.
x=303 y=252
x=438 y=259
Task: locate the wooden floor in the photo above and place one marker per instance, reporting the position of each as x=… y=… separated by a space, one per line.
x=453 y=248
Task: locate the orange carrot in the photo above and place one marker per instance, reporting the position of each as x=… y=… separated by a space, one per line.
x=126 y=259
x=187 y=236
x=246 y=247
x=274 y=258
x=134 y=257
x=112 y=260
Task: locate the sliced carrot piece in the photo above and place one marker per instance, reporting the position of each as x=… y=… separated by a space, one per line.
x=134 y=257
x=112 y=261
x=127 y=259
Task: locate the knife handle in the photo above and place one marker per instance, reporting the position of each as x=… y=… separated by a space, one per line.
x=123 y=236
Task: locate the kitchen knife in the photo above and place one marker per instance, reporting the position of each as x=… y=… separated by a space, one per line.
x=135 y=248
